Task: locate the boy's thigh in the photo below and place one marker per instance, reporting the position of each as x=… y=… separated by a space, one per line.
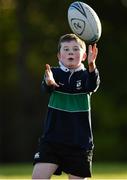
x=43 y=170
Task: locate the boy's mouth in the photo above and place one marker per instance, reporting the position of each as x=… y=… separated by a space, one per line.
x=70 y=59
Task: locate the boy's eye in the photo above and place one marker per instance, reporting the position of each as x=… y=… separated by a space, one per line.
x=75 y=49
x=66 y=49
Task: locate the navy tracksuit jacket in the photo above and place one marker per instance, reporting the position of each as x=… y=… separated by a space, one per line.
x=68 y=119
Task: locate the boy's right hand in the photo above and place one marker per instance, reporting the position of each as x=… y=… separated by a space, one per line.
x=92 y=55
x=49 y=77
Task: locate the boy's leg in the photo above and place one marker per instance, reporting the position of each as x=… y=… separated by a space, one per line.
x=43 y=170
x=75 y=177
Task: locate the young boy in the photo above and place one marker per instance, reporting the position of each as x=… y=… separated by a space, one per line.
x=67 y=143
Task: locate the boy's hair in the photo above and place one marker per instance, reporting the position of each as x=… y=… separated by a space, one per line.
x=71 y=37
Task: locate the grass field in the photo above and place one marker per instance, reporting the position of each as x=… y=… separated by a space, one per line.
x=100 y=171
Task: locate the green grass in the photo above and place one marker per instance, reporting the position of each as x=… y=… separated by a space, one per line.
x=100 y=171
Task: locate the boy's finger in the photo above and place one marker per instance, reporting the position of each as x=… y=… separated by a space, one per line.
x=94 y=48
x=47 y=67
x=46 y=72
x=56 y=84
x=96 y=51
x=90 y=48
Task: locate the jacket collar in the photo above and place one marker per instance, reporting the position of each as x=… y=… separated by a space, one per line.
x=65 y=69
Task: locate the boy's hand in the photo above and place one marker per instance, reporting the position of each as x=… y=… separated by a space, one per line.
x=92 y=54
x=49 y=77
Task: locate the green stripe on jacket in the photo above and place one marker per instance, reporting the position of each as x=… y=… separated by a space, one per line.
x=78 y=102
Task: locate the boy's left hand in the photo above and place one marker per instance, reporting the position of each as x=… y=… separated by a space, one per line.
x=92 y=55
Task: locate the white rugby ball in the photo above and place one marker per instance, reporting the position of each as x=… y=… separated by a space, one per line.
x=84 y=22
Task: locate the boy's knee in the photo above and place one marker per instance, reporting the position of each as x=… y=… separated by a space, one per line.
x=43 y=170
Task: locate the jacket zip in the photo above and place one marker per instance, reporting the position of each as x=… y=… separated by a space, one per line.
x=70 y=76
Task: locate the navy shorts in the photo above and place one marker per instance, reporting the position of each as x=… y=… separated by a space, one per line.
x=70 y=160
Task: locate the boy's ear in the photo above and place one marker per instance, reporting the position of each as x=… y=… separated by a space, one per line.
x=58 y=55
x=84 y=56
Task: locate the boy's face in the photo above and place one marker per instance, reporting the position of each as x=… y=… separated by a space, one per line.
x=71 y=54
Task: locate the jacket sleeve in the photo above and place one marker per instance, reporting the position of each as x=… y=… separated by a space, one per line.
x=46 y=88
x=92 y=81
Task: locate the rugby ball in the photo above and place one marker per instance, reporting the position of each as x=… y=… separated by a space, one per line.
x=84 y=22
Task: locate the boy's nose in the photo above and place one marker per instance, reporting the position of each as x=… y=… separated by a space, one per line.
x=71 y=52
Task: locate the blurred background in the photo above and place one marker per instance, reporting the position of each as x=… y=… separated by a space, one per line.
x=29 y=33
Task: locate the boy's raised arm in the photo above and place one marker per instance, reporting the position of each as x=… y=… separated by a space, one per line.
x=92 y=55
